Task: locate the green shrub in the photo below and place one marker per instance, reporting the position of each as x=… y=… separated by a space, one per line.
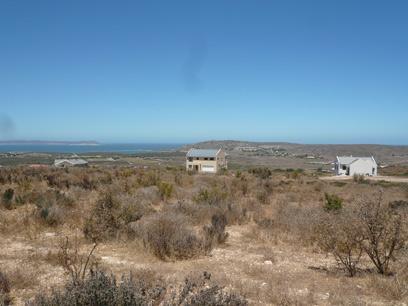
x=165 y=190
x=51 y=206
x=7 y=199
x=262 y=173
x=332 y=202
x=215 y=196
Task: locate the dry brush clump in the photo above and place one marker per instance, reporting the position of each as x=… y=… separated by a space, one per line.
x=199 y=290
x=372 y=227
x=76 y=264
x=385 y=232
x=214 y=234
x=5 y=298
x=339 y=234
x=168 y=236
x=112 y=215
x=104 y=222
x=101 y=288
x=395 y=287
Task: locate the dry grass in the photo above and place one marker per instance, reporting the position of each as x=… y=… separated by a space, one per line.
x=269 y=256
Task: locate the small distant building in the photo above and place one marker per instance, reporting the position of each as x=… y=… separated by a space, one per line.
x=350 y=165
x=64 y=163
x=38 y=166
x=206 y=160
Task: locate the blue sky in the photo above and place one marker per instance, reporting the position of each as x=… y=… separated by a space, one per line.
x=185 y=71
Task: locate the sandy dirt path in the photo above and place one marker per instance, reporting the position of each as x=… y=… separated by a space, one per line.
x=392 y=179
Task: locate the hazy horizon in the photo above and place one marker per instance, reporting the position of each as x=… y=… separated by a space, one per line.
x=182 y=72
x=86 y=142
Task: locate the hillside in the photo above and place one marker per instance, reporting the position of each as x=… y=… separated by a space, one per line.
x=283 y=153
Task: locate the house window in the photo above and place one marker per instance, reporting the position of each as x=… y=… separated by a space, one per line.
x=344 y=167
x=190 y=159
x=205 y=158
x=211 y=158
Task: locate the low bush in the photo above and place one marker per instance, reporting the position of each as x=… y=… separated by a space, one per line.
x=51 y=206
x=104 y=222
x=4 y=290
x=262 y=196
x=262 y=173
x=240 y=184
x=214 y=196
x=340 y=235
x=148 y=178
x=393 y=288
x=214 y=233
x=372 y=227
x=100 y=288
x=168 y=236
x=332 y=202
x=384 y=230
x=74 y=263
x=7 y=199
x=359 y=178
x=199 y=290
x=165 y=190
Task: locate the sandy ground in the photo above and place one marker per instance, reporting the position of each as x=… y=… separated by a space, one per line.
x=266 y=273
x=392 y=179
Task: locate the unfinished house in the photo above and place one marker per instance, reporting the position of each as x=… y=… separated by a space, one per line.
x=206 y=160
x=350 y=165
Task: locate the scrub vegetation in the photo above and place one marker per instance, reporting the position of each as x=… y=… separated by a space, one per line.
x=122 y=235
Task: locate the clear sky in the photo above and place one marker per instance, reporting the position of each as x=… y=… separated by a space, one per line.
x=183 y=71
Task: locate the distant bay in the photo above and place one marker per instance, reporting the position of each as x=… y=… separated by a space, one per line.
x=124 y=148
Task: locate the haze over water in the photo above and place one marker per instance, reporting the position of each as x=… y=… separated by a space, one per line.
x=103 y=148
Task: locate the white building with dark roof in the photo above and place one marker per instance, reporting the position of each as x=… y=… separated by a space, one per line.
x=64 y=163
x=206 y=160
x=351 y=165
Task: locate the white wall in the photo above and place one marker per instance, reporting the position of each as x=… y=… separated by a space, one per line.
x=359 y=167
x=363 y=167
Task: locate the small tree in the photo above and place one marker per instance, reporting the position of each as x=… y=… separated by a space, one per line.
x=383 y=232
x=339 y=235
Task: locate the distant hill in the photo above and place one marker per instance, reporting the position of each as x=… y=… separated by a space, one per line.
x=45 y=142
x=383 y=153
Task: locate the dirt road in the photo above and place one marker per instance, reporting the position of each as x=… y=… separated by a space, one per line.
x=392 y=179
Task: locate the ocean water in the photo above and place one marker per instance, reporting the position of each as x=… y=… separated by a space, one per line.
x=127 y=148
